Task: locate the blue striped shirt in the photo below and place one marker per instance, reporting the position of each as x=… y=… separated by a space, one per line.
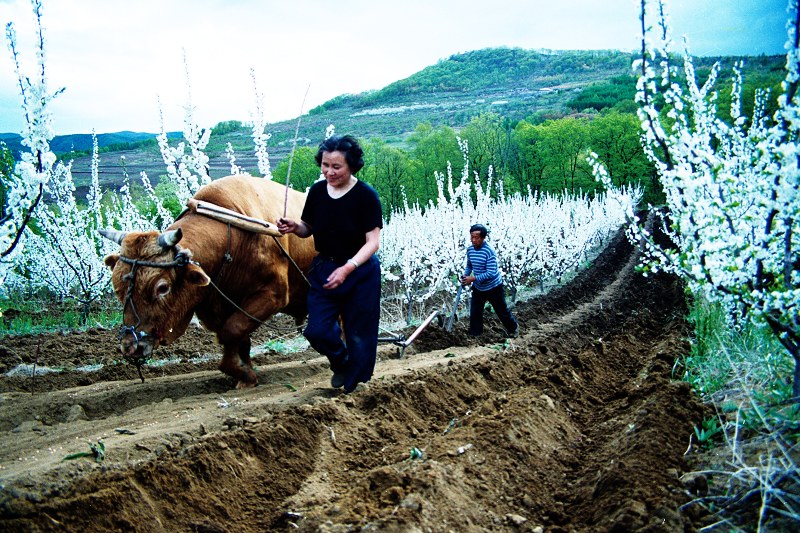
x=482 y=263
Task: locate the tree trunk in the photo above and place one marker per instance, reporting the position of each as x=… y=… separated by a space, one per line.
x=791 y=341
x=796 y=382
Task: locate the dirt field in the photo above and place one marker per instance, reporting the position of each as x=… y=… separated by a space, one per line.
x=574 y=426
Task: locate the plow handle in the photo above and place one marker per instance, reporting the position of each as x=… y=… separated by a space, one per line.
x=449 y=326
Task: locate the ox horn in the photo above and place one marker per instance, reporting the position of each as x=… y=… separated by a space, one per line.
x=170 y=238
x=113 y=234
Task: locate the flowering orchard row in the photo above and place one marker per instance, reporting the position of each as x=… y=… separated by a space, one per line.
x=536 y=237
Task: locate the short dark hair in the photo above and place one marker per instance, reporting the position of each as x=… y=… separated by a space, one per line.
x=479 y=227
x=346 y=144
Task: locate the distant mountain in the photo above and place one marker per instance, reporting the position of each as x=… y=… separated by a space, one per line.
x=82 y=142
x=495 y=71
x=511 y=82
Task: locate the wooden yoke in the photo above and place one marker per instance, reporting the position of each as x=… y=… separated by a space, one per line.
x=233 y=218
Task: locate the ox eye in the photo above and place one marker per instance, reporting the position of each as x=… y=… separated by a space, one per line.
x=162 y=289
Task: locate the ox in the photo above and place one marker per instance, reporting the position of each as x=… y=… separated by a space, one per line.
x=232 y=279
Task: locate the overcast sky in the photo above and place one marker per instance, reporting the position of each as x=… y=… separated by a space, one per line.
x=117 y=58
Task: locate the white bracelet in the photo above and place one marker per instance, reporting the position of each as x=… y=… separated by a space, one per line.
x=353 y=262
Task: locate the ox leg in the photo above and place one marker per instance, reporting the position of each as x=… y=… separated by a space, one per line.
x=236 y=363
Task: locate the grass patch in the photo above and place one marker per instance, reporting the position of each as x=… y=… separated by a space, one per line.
x=749 y=451
x=35 y=316
x=285 y=346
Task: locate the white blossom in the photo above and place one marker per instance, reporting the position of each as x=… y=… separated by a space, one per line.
x=259 y=134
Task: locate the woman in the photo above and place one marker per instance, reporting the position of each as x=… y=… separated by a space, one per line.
x=344 y=216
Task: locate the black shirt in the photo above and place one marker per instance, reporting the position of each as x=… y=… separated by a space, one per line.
x=340 y=225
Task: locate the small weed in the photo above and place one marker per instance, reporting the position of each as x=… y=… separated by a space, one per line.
x=286 y=346
x=705 y=436
x=98 y=451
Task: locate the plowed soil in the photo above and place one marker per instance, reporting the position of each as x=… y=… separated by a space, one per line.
x=576 y=425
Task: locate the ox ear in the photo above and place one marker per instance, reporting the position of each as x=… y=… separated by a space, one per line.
x=170 y=238
x=196 y=276
x=111 y=260
x=112 y=234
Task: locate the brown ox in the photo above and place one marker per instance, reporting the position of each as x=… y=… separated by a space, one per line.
x=159 y=300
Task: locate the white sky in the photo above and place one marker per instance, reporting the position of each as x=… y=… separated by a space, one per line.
x=116 y=58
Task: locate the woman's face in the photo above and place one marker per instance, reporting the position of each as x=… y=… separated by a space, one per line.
x=335 y=168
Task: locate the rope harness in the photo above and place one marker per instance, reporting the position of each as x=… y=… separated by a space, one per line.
x=181 y=260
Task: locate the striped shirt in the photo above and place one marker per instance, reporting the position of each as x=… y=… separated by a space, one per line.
x=482 y=263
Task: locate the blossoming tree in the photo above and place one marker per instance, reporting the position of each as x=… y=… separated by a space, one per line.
x=732 y=188
x=25 y=185
x=65 y=254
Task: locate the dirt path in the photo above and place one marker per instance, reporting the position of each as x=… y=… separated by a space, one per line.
x=574 y=426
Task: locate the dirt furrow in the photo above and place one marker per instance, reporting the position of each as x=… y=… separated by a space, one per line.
x=575 y=426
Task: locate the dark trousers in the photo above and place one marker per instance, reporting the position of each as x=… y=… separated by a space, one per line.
x=496 y=297
x=357 y=302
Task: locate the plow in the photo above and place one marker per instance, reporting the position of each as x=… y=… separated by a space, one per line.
x=402 y=342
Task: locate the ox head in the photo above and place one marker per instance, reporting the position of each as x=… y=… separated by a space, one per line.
x=158 y=285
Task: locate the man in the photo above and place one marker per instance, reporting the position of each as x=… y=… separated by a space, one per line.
x=487 y=284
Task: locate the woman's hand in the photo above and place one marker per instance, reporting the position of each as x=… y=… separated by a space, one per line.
x=287 y=225
x=338 y=276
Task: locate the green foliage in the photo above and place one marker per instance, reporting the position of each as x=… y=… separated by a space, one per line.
x=431 y=150
x=489 y=138
x=97 y=451
x=304 y=169
x=28 y=314
x=334 y=103
x=706 y=435
x=228 y=126
x=285 y=346
x=564 y=146
x=741 y=361
x=528 y=167
x=761 y=72
x=165 y=191
x=614 y=137
x=604 y=95
x=387 y=171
